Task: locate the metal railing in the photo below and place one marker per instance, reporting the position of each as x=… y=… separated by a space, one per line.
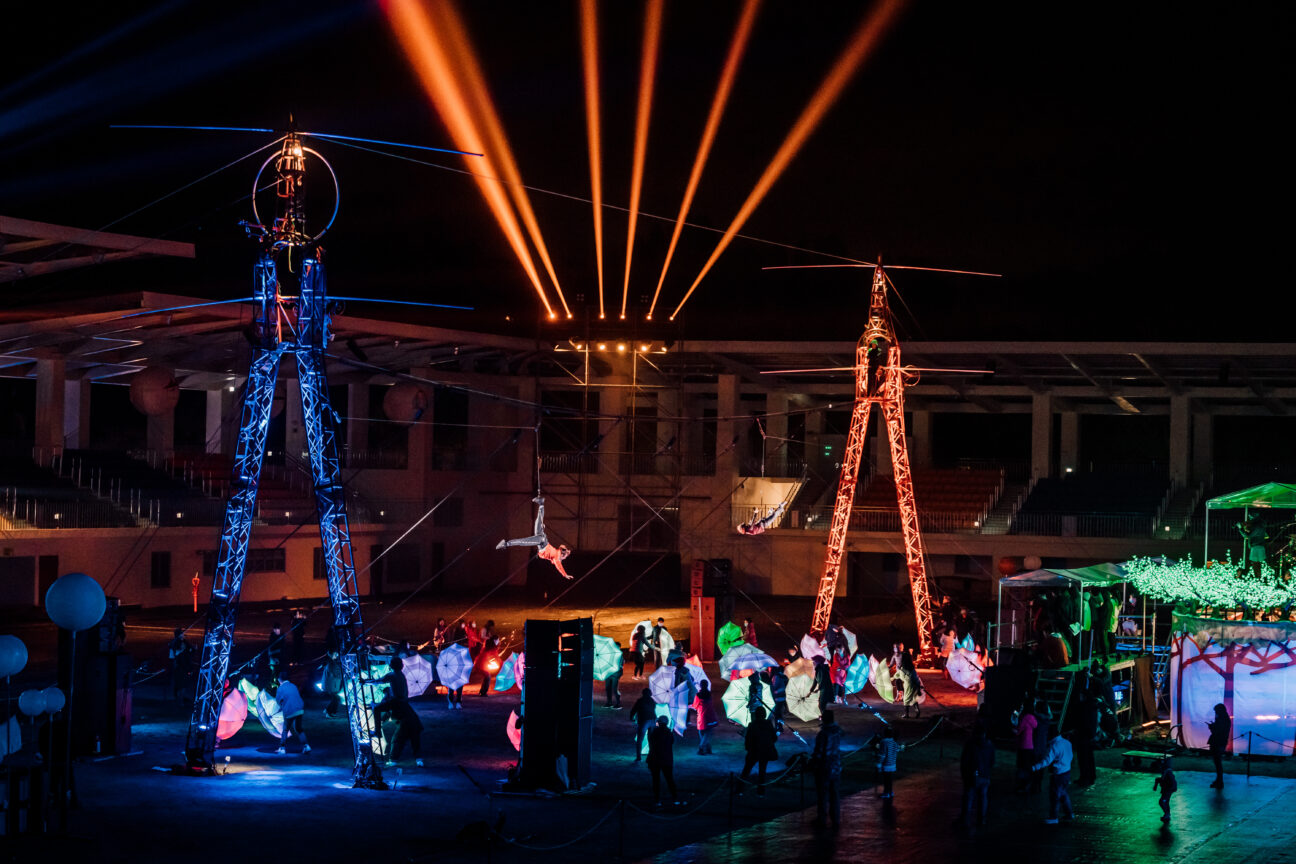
x=876 y=519
x=1083 y=524
x=649 y=464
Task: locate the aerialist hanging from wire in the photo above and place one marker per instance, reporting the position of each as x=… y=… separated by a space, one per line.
x=553 y=554
x=757 y=525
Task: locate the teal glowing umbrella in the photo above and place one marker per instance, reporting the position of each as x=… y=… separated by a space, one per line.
x=607 y=657
x=736 y=697
x=661 y=711
x=504 y=678
x=729 y=636
x=265 y=706
x=454 y=666
x=857 y=674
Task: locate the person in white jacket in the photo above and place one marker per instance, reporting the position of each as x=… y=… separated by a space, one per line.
x=1058 y=761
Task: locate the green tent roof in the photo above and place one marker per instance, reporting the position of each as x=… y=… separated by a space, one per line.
x=1280 y=496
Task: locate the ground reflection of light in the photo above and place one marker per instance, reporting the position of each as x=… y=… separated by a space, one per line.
x=857 y=50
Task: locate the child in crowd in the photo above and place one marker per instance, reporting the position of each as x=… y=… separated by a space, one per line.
x=1168 y=786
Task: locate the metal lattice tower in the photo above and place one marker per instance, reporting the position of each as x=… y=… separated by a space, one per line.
x=282 y=325
x=880 y=380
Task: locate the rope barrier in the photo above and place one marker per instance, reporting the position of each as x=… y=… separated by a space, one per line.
x=571 y=842
x=687 y=813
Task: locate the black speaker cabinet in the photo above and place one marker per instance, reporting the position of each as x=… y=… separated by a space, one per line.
x=557 y=704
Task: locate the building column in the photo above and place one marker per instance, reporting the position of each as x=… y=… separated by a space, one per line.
x=727 y=460
x=223 y=419
x=76 y=413
x=1203 y=445
x=1180 y=421
x=51 y=379
x=1069 y=445
x=920 y=454
x=1041 y=435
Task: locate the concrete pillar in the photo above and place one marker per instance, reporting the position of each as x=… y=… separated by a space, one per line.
x=727 y=460
x=1203 y=446
x=294 y=422
x=161 y=433
x=1180 y=420
x=1069 y=445
x=1042 y=435
x=50 y=383
x=920 y=454
x=76 y=413
x=357 y=413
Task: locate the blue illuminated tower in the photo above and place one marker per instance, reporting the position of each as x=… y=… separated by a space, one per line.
x=296 y=325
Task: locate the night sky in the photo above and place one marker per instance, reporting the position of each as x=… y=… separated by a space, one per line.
x=1119 y=165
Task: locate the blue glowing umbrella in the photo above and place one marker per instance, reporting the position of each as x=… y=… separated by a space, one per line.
x=750 y=664
x=454 y=666
x=727 y=659
x=418 y=674
x=857 y=674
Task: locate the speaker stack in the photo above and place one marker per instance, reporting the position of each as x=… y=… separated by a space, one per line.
x=557 y=704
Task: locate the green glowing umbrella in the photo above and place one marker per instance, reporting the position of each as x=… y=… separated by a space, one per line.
x=607 y=657
x=800 y=701
x=729 y=636
x=736 y=697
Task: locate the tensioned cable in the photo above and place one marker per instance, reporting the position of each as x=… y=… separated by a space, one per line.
x=556 y=194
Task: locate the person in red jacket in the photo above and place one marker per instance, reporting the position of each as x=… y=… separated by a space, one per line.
x=555 y=555
x=706 y=717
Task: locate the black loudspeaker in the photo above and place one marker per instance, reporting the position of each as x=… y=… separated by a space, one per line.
x=104 y=637
x=98 y=688
x=557 y=704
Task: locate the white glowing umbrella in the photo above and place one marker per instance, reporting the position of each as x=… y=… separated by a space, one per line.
x=661 y=683
x=802 y=702
x=799 y=666
x=454 y=666
x=418 y=674
x=964 y=669
x=647 y=628
x=812 y=647
x=264 y=706
x=736 y=697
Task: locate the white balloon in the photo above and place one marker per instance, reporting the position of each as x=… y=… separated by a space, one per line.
x=13 y=655
x=32 y=702
x=75 y=602
x=54 y=699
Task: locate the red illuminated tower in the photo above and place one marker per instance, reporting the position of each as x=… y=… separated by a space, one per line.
x=879 y=380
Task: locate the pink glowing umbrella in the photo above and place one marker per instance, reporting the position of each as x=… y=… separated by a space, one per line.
x=233 y=713
x=965 y=669
x=514 y=730
x=812 y=647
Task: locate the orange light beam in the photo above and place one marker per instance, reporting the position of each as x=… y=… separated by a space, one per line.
x=647 y=77
x=432 y=63
x=589 y=58
x=736 y=48
x=451 y=24
x=856 y=51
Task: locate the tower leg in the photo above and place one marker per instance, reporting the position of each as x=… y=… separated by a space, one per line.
x=335 y=536
x=915 y=557
x=231 y=563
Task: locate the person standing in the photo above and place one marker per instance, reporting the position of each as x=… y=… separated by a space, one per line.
x=1043 y=720
x=1168 y=786
x=180 y=654
x=639 y=649
x=840 y=664
x=1026 y=727
x=907 y=675
x=826 y=760
x=644 y=715
x=778 y=682
x=612 y=684
x=661 y=759
x=409 y=728
x=977 y=765
x=1058 y=761
x=823 y=684
x=294 y=711
x=488 y=659
x=888 y=752
x=658 y=629
x=274 y=650
x=759 y=744
x=707 y=719
x=749 y=633
x=1221 y=732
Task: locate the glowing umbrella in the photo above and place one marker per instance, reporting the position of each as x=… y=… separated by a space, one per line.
x=661 y=711
x=812 y=647
x=802 y=702
x=665 y=642
x=729 y=657
x=880 y=678
x=964 y=670
x=693 y=660
x=857 y=674
x=852 y=643
x=510 y=673
x=749 y=664
x=607 y=657
x=729 y=636
x=647 y=628
x=800 y=666
x=418 y=674
x=735 y=701
x=454 y=666
x=661 y=683
x=967 y=644
x=514 y=730
x=233 y=713
x=264 y=706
